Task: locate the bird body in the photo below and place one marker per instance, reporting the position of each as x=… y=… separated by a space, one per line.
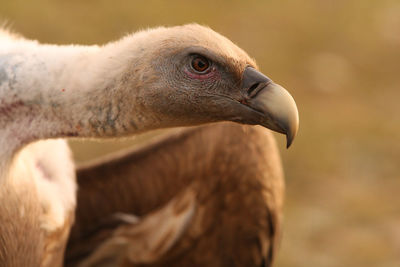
x=158 y=78
x=227 y=179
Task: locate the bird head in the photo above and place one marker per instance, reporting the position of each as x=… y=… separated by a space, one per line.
x=192 y=75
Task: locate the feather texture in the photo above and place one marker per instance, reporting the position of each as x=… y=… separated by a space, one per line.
x=141 y=82
x=235 y=174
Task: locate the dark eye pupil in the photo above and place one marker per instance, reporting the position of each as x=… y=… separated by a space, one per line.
x=200 y=64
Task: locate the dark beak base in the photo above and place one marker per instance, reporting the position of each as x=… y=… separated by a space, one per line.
x=272 y=100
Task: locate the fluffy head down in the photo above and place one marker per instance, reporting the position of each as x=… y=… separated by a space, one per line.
x=190 y=74
x=158 y=64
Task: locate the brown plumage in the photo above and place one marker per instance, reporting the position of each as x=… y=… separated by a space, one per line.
x=45 y=248
x=229 y=174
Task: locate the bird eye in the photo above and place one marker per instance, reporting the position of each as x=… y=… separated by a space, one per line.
x=200 y=64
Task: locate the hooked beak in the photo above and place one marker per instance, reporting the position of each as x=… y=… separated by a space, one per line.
x=277 y=106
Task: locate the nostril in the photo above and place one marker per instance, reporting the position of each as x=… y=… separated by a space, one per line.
x=252 y=88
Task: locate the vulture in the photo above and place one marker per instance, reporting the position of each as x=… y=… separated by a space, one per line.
x=158 y=78
x=203 y=196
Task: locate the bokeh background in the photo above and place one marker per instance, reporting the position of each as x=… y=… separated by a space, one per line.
x=341 y=61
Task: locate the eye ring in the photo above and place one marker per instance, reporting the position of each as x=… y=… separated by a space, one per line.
x=200 y=64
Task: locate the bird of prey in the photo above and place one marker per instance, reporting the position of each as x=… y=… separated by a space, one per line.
x=158 y=78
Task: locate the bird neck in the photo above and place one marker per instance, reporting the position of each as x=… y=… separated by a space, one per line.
x=49 y=91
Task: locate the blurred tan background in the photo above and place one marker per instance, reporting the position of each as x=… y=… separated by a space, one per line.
x=340 y=60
